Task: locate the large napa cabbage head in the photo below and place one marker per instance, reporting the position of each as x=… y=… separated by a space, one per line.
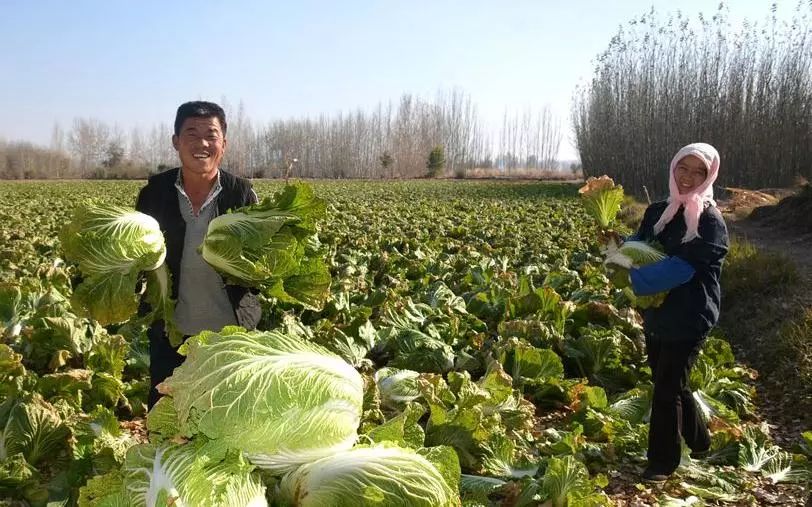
x=284 y=401
x=602 y=199
x=176 y=475
x=380 y=475
x=112 y=245
x=272 y=246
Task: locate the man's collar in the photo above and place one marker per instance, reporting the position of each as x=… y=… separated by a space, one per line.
x=213 y=193
x=179 y=179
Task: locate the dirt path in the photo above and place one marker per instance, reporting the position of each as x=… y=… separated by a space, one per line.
x=773 y=396
x=785 y=419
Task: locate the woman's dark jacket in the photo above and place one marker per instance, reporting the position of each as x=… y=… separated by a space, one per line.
x=691 y=309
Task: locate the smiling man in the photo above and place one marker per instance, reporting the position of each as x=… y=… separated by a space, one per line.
x=183 y=201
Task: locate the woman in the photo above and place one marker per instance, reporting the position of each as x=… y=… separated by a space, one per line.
x=693 y=233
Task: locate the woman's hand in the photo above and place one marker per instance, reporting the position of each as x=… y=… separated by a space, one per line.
x=608 y=236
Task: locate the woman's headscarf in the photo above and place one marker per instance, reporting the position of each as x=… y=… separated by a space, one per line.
x=694 y=201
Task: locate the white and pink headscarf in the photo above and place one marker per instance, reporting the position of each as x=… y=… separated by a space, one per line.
x=694 y=201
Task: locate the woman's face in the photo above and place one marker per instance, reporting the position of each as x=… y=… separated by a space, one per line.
x=689 y=173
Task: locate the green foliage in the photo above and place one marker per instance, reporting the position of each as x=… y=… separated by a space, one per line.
x=436 y=161
x=524 y=361
x=402 y=429
x=472 y=318
x=272 y=246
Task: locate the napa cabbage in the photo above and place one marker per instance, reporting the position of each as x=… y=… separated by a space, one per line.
x=280 y=399
x=11 y=318
x=632 y=254
x=113 y=245
x=566 y=482
x=272 y=246
x=602 y=199
x=32 y=428
x=176 y=475
x=380 y=475
x=397 y=386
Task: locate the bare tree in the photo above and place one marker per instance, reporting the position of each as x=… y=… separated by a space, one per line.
x=88 y=141
x=23 y=160
x=661 y=84
x=391 y=140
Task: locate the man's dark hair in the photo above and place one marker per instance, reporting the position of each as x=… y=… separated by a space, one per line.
x=199 y=109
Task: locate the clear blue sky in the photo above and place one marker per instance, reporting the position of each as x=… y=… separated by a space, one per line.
x=132 y=63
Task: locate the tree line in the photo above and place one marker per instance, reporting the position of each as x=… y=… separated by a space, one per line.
x=665 y=82
x=393 y=140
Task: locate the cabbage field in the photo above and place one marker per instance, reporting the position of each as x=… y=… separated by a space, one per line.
x=471 y=352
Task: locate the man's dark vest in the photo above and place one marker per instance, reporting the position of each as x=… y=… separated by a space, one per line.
x=159 y=199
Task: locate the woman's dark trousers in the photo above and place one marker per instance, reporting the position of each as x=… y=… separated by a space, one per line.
x=674 y=412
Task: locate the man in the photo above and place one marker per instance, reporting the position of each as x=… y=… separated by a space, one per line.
x=183 y=201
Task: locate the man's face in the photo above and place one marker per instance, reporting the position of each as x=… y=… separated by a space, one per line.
x=689 y=173
x=200 y=145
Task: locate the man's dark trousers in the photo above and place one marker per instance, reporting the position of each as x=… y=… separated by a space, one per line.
x=163 y=361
